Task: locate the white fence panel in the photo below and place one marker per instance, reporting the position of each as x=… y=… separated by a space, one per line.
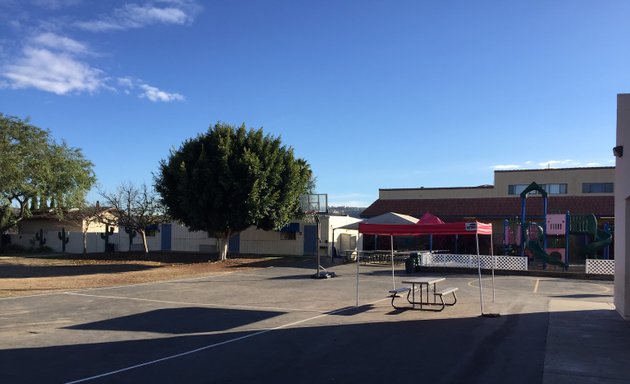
x=511 y=263
x=600 y=267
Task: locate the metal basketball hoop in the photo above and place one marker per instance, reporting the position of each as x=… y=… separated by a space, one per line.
x=313 y=205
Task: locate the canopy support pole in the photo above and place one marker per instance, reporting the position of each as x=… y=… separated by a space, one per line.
x=494 y=261
x=391 y=241
x=479 y=272
x=358 y=264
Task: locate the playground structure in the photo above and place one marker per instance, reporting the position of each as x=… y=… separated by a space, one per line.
x=550 y=243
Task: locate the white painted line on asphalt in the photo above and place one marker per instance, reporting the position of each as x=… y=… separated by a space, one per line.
x=536 y=285
x=28 y=296
x=110 y=373
x=184 y=303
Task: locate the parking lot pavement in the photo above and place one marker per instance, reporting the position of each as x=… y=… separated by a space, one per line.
x=280 y=325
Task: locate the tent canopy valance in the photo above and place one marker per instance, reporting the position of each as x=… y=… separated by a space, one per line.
x=460 y=228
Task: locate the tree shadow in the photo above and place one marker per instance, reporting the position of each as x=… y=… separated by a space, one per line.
x=480 y=351
x=25 y=271
x=274 y=261
x=180 y=320
x=509 y=349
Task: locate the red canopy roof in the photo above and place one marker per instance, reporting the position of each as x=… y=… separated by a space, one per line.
x=429 y=218
x=461 y=228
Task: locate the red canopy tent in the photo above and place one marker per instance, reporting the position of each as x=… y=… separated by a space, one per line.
x=432 y=228
x=429 y=218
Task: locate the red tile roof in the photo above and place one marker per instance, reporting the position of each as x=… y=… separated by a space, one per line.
x=493 y=207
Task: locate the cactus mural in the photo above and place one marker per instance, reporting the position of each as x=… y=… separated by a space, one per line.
x=64 y=237
x=132 y=233
x=105 y=236
x=39 y=237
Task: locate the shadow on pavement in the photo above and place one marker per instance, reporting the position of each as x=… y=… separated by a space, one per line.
x=180 y=320
x=466 y=350
x=508 y=349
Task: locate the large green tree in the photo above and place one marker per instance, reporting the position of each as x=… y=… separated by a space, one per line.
x=229 y=178
x=36 y=173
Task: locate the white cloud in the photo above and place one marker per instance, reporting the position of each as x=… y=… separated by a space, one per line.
x=52 y=62
x=154 y=94
x=559 y=163
x=150 y=92
x=55 y=72
x=62 y=43
x=126 y=82
x=132 y=16
x=349 y=200
x=349 y=203
x=566 y=163
x=505 y=166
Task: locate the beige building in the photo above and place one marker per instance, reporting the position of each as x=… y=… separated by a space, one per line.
x=595 y=181
x=575 y=190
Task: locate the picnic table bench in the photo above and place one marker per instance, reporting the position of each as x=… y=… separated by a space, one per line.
x=419 y=284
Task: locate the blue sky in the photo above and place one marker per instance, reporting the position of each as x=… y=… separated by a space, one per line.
x=373 y=94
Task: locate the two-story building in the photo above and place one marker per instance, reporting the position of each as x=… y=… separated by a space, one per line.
x=579 y=191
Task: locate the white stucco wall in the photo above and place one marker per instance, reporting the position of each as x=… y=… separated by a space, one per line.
x=622 y=209
x=188 y=241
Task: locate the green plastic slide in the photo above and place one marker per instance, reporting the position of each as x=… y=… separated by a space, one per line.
x=602 y=239
x=538 y=252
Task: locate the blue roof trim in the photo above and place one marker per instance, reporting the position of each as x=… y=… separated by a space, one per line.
x=291 y=227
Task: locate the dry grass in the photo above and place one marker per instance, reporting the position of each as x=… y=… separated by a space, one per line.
x=23 y=276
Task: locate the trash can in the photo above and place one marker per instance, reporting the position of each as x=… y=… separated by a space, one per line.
x=413 y=256
x=409 y=267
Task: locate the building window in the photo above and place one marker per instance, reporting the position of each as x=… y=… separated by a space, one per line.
x=555 y=189
x=516 y=189
x=151 y=230
x=288 y=232
x=287 y=236
x=552 y=189
x=597 y=188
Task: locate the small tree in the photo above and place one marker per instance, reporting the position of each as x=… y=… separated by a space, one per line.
x=86 y=216
x=229 y=179
x=37 y=173
x=136 y=209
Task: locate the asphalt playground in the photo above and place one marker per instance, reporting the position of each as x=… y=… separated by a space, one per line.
x=279 y=325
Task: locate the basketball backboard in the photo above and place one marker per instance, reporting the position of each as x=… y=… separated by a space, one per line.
x=314 y=203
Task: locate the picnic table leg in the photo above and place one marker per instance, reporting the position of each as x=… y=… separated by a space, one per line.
x=413 y=288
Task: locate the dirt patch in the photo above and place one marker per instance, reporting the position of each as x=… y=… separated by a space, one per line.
x=23 y=276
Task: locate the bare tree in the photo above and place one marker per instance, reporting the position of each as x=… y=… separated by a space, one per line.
x=136 y=208
x=90 y=214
